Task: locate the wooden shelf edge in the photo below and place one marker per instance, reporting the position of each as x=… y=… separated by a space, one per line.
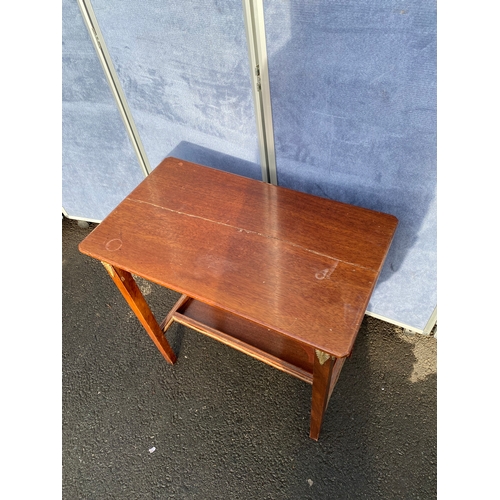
x=242 y=347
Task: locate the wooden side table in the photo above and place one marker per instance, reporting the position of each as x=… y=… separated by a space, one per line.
x=280 y=275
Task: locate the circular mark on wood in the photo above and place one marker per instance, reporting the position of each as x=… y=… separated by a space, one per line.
x=113 y=245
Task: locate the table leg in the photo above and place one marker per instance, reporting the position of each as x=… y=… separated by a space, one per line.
x=326 y=372
x=130 y=291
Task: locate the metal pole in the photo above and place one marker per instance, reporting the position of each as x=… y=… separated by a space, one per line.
x=257 y=53
x=114 y=84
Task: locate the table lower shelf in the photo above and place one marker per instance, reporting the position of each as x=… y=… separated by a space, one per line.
x=246 y=336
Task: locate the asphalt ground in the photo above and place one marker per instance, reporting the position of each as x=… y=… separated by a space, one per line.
x=221 y=425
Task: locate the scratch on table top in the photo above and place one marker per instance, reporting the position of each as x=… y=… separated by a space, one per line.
x=249 y=231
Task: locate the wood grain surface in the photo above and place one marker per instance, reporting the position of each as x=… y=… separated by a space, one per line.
x=298 y=264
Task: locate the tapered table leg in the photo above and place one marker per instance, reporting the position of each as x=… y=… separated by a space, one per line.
x=326 y=372
x=129 y=289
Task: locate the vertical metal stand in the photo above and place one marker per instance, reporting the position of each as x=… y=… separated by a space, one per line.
x=114 y=84
x=431 y=323
x=256 y=42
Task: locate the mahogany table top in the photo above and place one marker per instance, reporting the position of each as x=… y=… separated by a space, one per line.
x=301 y=265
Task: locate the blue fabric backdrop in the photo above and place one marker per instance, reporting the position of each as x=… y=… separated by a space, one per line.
x=353 y=90
x=184 y=70
x=99 y=166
